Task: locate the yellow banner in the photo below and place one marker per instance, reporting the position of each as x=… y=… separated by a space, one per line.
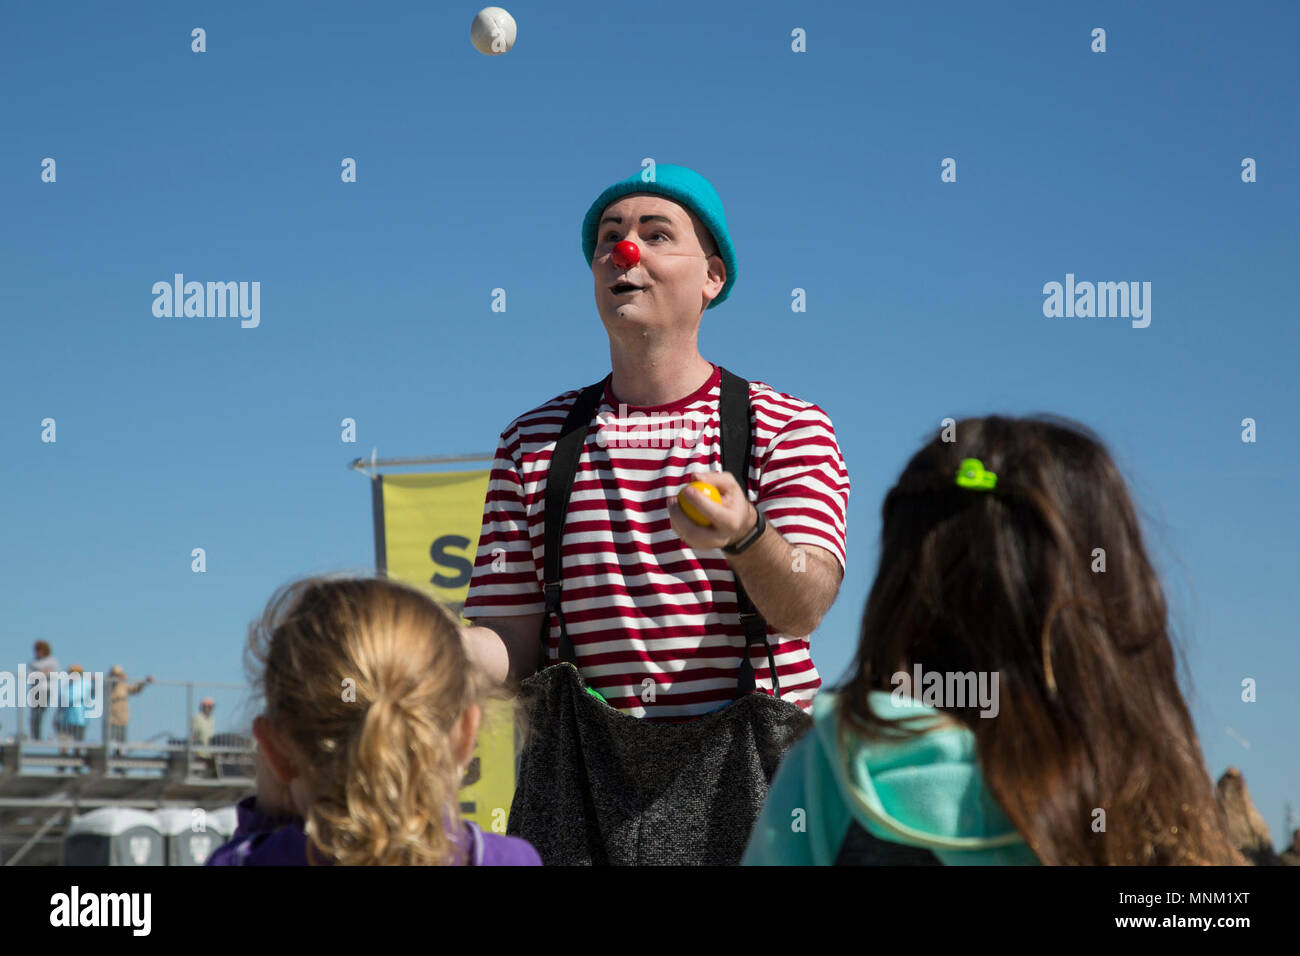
x=426 y=534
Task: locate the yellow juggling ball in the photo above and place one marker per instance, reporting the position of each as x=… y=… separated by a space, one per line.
x=691 y=511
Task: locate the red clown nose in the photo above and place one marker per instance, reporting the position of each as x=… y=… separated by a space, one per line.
x=626 y=254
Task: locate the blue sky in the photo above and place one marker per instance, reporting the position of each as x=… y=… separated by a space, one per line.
x=924 y=298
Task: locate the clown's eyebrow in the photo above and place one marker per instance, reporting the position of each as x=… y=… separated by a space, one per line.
x=644 y=219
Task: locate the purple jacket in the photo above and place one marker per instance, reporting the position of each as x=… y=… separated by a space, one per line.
x=262 y=840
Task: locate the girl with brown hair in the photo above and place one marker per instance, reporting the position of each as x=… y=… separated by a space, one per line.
x=1011 y=558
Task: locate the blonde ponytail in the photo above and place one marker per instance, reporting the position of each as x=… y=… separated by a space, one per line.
x=369 y=679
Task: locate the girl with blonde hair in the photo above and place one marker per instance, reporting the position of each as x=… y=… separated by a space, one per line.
x=371 y=710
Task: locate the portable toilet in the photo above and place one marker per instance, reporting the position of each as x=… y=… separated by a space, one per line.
x=113 y=836
x=225 y=821
x=190 y=837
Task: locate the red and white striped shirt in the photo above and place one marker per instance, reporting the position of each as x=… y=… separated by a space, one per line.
x=654 y=624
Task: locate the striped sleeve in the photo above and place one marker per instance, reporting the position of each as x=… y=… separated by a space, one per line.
x=505 y=582
x=804 y=484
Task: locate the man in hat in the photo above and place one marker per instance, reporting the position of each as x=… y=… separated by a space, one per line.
x=203 y=727
x=119 y=706
x=649 y=595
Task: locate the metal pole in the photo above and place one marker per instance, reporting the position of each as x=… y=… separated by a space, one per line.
x=109 y=685
x=35 y=838
x=370 y=464
x=189 y=734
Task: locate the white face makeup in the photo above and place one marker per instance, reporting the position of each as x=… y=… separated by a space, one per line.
x=670 y=283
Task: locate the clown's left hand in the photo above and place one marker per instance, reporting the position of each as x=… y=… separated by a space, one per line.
x=732 y=518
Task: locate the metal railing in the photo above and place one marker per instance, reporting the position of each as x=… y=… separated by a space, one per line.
x=178 y=755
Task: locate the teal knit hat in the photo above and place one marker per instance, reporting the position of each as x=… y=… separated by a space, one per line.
x=679 y=184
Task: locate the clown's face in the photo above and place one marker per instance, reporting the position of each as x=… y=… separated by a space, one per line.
x=678 y=273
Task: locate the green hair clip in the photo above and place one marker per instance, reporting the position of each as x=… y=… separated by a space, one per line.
x=971 y=474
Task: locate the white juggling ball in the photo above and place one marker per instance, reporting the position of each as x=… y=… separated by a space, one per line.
x=493 y=31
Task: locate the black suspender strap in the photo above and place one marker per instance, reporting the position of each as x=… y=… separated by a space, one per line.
x=736 y=440
x=559 y=483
